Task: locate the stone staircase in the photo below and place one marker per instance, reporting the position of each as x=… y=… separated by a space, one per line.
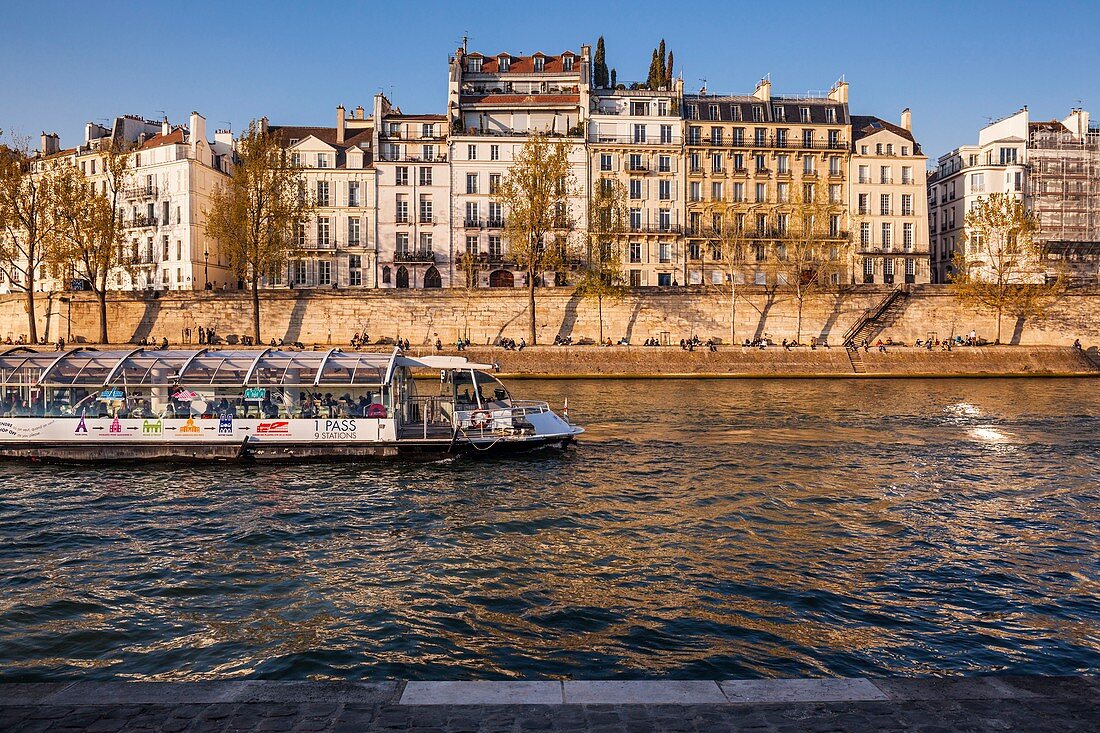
x=874 y=319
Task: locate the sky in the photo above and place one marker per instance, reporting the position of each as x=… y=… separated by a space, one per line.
x=955 y=64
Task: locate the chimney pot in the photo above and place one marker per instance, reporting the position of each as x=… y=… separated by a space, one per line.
x=340 y=122
x=907 y=119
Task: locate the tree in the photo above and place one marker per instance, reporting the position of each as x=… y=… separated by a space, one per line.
x=614 y=79
x=662 y=69
x=27 y=200
x=668 y=72
x=599 y=66
x=729 y=240
x=256 y=215
x=653 y=80
x=535 y=195
x=1000 y=265
x=92 y=232
x=607 y=218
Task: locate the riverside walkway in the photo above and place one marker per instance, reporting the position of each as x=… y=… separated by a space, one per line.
x=925 y=705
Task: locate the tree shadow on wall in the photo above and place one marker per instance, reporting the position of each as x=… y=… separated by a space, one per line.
x=1017 y=331
x=144 y=328
x=569 y=317
x=635 y=308
x=297 y=317
x=506 y=324
x=834 y=314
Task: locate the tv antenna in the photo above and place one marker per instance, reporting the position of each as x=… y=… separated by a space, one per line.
x=703 y=90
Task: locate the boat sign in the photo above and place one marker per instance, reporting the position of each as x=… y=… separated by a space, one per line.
x=255 y=394
x=112 y=394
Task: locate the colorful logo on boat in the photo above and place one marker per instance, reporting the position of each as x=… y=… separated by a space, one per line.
x=116 y=426
x=190 y=428
x=280 y=427
x=225 y=423
x=81 y=427
x=152 y=427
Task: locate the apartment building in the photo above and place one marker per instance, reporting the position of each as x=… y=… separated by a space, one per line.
x=887 y=185
x=173 y=169
x=635 y=136
x=494 y=104
x=414 y=198
x=339 y=245
x=754 y=155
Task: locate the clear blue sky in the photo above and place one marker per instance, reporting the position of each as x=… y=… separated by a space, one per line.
x=954 y=63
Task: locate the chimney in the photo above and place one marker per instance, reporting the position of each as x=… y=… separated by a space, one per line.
x=340 y=117
x=764 y=89
x=224 y=138
x=165 y=128
x=51 y=143
x=198 y=131
x=907 y=119
x=359 y=112
x=839 y=92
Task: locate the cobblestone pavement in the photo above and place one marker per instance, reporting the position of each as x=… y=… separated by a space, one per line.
x=921 y=705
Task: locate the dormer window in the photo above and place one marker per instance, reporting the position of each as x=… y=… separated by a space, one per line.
x=757 y=114
x=503 y=62
x=473 y=64
x=830 y=115
x=567 y=62
x=714 y=112
x=540 y=63
x=293 y=141
x=779 y=113
x=804 y=114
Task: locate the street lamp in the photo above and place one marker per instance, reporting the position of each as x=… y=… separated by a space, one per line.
x=206 y=266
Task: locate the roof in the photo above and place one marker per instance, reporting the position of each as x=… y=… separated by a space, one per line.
x=426 y=118
x=867 y=125
x=526 y=64
x=361 y=138
x=175 y=137
x=1047 y=126
x=738 y=108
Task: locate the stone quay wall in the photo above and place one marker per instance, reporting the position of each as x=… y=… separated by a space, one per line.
x=669 y=314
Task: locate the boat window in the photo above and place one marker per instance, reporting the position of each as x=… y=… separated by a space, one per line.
x=218 y=367
x=493 y=392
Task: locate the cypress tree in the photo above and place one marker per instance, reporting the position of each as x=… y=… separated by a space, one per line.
x=599 y=65
x=661 y=71
x=614 y=79
x=654 y=78
x=668 y=71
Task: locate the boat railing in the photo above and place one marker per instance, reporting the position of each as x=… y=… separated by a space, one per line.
x=492 y=418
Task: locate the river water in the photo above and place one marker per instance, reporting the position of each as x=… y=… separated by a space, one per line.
x=701 y=529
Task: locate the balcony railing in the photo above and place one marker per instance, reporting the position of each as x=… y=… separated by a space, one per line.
x=632 y=140
x=473 y=223
x=655 y=229
x=141 y=222
x=414 y=256
x=766 y=142
x=139 y=191
x=494 y=223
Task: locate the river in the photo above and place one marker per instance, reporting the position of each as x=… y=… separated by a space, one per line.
x=701 y=529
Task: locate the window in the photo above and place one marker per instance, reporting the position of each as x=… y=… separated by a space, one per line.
x=834 y=193
x=803 y=114
x=164 y=248
x=834 y=226
x=738 y=191
x=425 y=242
x=496 y=248
x=494 y=183
x=567 y=63
x=494 y=152
x=905 y=150
x=666 y=133
x=473 y=65
x=907 y=204
x=760 y=164
x=425 y=175
x=664 y=190
x=782 y=163
x=889 y=148
x=907 y=174
x=887 y=235
x=757 y=113
x=664 y=252
x=402 y=209
x=977 y=182
x=503 y=63
x=471 y=152
x=635 y=188
x=401 y=175
x=910 y=266
x=834 y=136
x=472 y=245
x=605 y=161
x=716 y=136
x=324 y=272
x=716 y=191
x=664 y=163
x=738 y=136
x=635 y=251
x=636 y=162
x=386 y=275
x=864 y=203
x=694 y=191
x=783 y=194
x=664 y=219
x=639 y=133
x=830 y=115
x=353 y=193
x=761 y=193
x=322 y=193
x=878 y=148
x=300 y=233
x=322 y=160
x=865 y=234
x=355 y=270
x=714 y=115
x=425 y=209
x=353 y=231
x=693 y=134
x=694 y=162
x=884 y=174
x=888 y=267
x=884 y=205
x=323 y=231
x=865 y=174
x=428 y=152
x=807 y=166
x=834 y=165
x=782 y=223
x=868 y=268
x=761 y=225
x=760 y=137
x=402 y=243
x=779 y=112
x=496 y=214
x=1008 y=156
x=716 y=163
x=781 y=138
x=635 y=278
x=472 y=214
x=471 y=183
x=540 y=63
x=907 y=236
x=635 y=219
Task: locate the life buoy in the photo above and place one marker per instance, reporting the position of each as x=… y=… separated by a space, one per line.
x=480 y=419
x=376 y=410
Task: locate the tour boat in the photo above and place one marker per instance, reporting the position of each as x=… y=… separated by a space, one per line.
x=87 y=404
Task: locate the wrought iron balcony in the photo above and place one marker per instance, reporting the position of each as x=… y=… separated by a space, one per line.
x=414 y=256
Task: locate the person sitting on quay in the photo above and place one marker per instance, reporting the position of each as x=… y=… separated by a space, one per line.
x=438 y=344
x=1077 y=344
x=60 y=345
x=881 y=346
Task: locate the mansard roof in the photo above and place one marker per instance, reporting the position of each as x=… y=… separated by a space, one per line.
x=525 y=64
x=738 y=108
x=360 y=139
x=867 y=125
x=176 y=137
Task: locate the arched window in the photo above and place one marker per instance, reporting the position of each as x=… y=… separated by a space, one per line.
x=402 y=277
x=386 y=275
x=501 y=279
x=432 y=278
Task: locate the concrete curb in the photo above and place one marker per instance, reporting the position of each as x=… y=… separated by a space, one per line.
x=805 y=375
x=551 y=692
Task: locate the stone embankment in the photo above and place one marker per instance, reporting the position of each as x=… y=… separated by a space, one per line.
x=1005 y=703
x=773 y=362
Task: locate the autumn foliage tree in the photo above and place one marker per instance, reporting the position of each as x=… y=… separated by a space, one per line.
x=607 y=222
x=535 y=193
x=255 y=216
x=1001 y=266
